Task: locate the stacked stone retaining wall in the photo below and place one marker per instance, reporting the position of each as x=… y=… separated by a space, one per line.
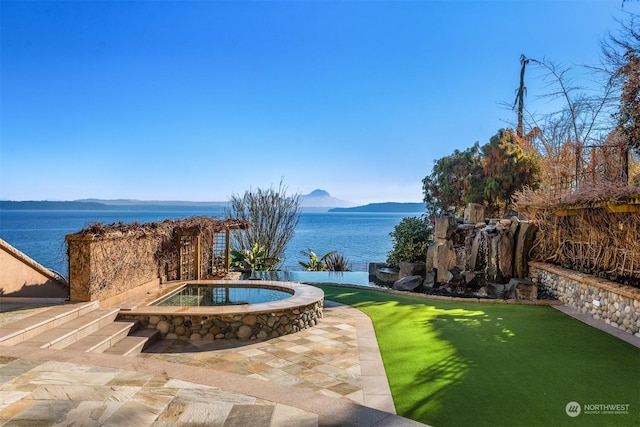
x=612 y=303
x=242 y=326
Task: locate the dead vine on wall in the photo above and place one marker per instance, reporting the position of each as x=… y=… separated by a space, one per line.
x=583 y=231
x=122 y=255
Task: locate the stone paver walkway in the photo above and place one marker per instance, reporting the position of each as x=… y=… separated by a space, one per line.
x=331 y=374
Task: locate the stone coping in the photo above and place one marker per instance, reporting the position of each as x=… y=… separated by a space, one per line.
x=303 y=295
x=588 y=279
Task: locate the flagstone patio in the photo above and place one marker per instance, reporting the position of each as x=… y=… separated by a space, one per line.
x=331 y=374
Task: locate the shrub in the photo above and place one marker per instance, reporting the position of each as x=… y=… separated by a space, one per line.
x=315 y=263
x=411 y=239
x=253 y=260
x=331 y=261
x=337 y=262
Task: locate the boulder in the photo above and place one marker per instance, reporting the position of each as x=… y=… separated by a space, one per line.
x=474 y=248
x=373 y=266
x=474 y=214
x=163 y=326
x=525 y=289
x=472 y=279
x=478 y=253
x=492 y=258
x=445 y=226
x=524 y=241
x=244 y=332
x=432 y=258
x=429 y=279
x=445 y=261
x=454 y=276
x=387 y=275
x=514 y=225
x=495 y=290
x=505 y=256
x=412 y=269
x=409 y=283
x=509 y=290
x=469 y=276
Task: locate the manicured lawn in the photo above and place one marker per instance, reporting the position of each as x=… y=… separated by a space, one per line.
x=469 y=364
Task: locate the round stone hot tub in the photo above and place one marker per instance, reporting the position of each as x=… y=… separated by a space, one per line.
x=295 y=307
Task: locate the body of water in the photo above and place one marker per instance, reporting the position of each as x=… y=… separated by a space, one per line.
x=360 y=237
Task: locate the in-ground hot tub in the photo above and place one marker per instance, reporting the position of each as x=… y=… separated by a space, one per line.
x=216 y=294
x=297 y=307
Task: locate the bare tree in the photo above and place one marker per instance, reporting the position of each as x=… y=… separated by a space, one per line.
x=521 y=92
x=584 y=120
x=274 y=216
x=621 y=56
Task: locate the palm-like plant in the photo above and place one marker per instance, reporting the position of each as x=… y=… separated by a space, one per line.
x=315 y=263
x=255 y=259
x=337 y=262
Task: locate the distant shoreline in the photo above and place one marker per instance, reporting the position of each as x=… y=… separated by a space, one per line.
x=385 y=207
x=389 y=207
x=95 y=206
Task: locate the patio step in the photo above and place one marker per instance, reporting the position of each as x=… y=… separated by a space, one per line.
x=104 y=338
x=81 y=327
x=32 y=326
x=134 y=343
x=69 y=332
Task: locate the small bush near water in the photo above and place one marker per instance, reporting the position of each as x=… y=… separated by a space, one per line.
x=331 y=261
x=411 y=240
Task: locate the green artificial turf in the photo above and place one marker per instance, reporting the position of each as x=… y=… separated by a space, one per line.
x=453 y=363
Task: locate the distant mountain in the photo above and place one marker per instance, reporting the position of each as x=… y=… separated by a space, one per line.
x=321 y=199
x=385 y=207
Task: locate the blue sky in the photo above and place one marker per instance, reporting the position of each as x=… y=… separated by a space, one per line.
x=201 y=100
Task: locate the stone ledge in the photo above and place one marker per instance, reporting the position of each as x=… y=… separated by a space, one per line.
x=605 y=301
x=252 y=321
x=586 y=279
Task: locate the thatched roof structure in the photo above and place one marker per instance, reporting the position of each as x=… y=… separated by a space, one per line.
x=196 y=225
x=594 y=195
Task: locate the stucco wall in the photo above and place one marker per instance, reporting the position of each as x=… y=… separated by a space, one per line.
x=20 y=276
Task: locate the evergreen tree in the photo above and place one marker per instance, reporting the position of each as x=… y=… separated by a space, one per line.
x=455 y=180
x=507 y=168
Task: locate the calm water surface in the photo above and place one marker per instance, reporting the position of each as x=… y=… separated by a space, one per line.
x=210 y=296
x=361 y=237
